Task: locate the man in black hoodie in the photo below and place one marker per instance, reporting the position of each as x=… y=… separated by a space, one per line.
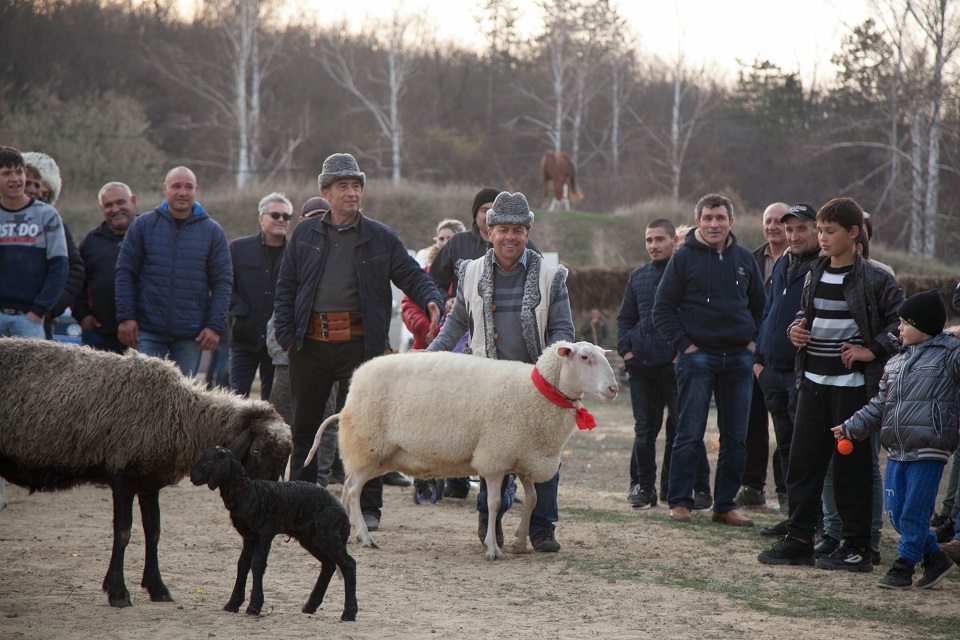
x=709 y=306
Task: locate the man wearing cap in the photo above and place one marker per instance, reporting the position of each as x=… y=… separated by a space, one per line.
x=527 y=299
x=773 y=361
x=256 y=265
x=333 y=306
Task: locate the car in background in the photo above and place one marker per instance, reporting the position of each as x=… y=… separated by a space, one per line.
x=67 y=329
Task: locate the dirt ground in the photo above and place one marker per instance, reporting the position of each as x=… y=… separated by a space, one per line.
x=621 y=573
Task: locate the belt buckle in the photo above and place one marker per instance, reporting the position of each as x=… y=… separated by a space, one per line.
x=325 y=333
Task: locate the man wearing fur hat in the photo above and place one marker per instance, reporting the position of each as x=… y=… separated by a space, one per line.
x=333 y=306
x=520 y=301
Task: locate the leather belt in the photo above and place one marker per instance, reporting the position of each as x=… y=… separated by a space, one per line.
x=335 y=326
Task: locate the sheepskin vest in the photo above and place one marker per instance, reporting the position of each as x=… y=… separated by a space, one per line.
x=534 y=306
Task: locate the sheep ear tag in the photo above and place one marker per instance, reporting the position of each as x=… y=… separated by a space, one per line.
x=585 y=421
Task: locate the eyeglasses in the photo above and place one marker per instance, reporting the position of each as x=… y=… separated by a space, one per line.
x=276 y=215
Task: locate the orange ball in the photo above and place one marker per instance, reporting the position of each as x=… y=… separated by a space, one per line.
x=844 y=446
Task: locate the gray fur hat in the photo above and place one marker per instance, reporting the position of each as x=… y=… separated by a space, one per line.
x=510 y=208
x=340 y=166
x=49 y=172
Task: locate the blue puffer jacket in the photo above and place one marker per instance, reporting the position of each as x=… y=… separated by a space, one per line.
x=174 y=281
x=916 y=410
x=379 y=258
x=635 y=331
x=774 y=348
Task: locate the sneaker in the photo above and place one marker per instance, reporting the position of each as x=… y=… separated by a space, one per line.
x=825 y=546
x=847 y=558
x=900 y=576
x=702 y=500
x=544 y=542
x=775 y=531
x=951 y=548
x=634 y=490
x=482 y=529
x=788 y=551
x=644 y=499
x=938 y=519
x=750 y=497
x=936 y=567
x=945 y=531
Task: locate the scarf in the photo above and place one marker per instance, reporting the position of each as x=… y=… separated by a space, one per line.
x=585 y=421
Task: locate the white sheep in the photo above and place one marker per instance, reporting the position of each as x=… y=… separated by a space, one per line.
x=71 y=415
x=433 y=415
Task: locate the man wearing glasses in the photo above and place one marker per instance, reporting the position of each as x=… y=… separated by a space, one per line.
x=256 y=265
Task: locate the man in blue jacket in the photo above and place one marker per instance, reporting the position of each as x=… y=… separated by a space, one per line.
x=709 y=306
x=174 y=278
x=333 y=305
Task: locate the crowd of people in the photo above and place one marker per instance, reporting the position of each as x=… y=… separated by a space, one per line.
x=806 y=330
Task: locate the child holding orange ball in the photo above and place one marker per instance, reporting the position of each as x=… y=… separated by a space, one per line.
x=916 y=413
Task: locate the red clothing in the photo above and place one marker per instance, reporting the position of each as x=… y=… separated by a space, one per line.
x=416 y=321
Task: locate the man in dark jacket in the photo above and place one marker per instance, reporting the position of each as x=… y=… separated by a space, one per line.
x=174 y=278
x=256 y=266
x=333 y=306
x=709 y=306
x=774 y=358
x=95 y=307
x=648 y=358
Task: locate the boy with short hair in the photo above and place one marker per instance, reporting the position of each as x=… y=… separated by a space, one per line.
x=916 y=413
x=843 y=336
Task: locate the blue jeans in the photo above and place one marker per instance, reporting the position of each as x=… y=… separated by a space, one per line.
x=909 y=500
x=101 y=342
x=243 y=367
x=183 y=351
x=545 y=513
x=730 y=380
x=651 y=390
x=20 y=326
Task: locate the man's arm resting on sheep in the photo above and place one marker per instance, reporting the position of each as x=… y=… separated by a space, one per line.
x=453 y=327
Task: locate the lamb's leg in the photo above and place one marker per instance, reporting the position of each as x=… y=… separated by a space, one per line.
x=494 y=486
x=327 y=569
x=260 y=552
x=348 y=568
x=352 y=488
x=113 y=582
x=150 y=514
x=529 y=502
x=243 y=568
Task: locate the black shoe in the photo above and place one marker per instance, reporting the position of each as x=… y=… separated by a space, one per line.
x=372 y=521
x=945 y=531
x=544 y=542
x=455 y=490
x=847 y=558
x=702 y=500
x=938 y=519
x=397 y=479
x=632 y=495
x=788 y=551
x=900 y=576
x=826 y=546
x=936 y=567
x=875 y=557
x=644 y=499
x=482 y=529
x=775 y=531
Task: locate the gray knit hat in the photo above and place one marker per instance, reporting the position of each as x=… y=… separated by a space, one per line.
x=340 y=166
x=510 y=208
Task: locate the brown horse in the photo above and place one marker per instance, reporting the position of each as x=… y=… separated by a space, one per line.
x=558 y=168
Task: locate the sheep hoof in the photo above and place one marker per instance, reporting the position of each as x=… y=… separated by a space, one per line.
x=121 y=601
x=348 y=616
x=251 y=611
x=494 y=553
x=161 y=596
x=231 y=607
x=520 y=547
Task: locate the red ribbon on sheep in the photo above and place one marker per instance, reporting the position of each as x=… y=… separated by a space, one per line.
x=585 y=421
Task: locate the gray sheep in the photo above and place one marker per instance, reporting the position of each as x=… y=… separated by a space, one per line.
x=71 y=415
x=261 y=510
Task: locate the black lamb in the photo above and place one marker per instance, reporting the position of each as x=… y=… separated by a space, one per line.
x=262 y=509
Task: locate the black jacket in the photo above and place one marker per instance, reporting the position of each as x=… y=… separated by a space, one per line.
x=254 y=287
x=635 y=331
x=75 y=275
x=99 y=250
x=466 y=245
x=379 y=258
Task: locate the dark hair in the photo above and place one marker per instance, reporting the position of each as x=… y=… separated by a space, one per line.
x=711 y=201
x=843 y=211
x=10 y=157
x=666 y=225
x=864 y=241
x=868 y=226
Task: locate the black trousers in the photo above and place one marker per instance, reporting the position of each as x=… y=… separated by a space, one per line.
x=758 y=442
x=819 y=409
x=313 y=370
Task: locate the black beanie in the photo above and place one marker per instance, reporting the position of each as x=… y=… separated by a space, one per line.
x=487 y=194
x=925 y=311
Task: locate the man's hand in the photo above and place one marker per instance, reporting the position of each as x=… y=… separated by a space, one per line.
x=757 y=368
x=628 y=356
x=128 y=333
x=32 y=317
x=89 y=323
x=448 y=305
x=752 y=346
x=799 y=334
x=434 y=311
x=850 y=353
x=690 y=349
x=208 y=340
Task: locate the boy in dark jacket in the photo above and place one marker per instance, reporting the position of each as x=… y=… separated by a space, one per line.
x=843 y=336
x=916 y=413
